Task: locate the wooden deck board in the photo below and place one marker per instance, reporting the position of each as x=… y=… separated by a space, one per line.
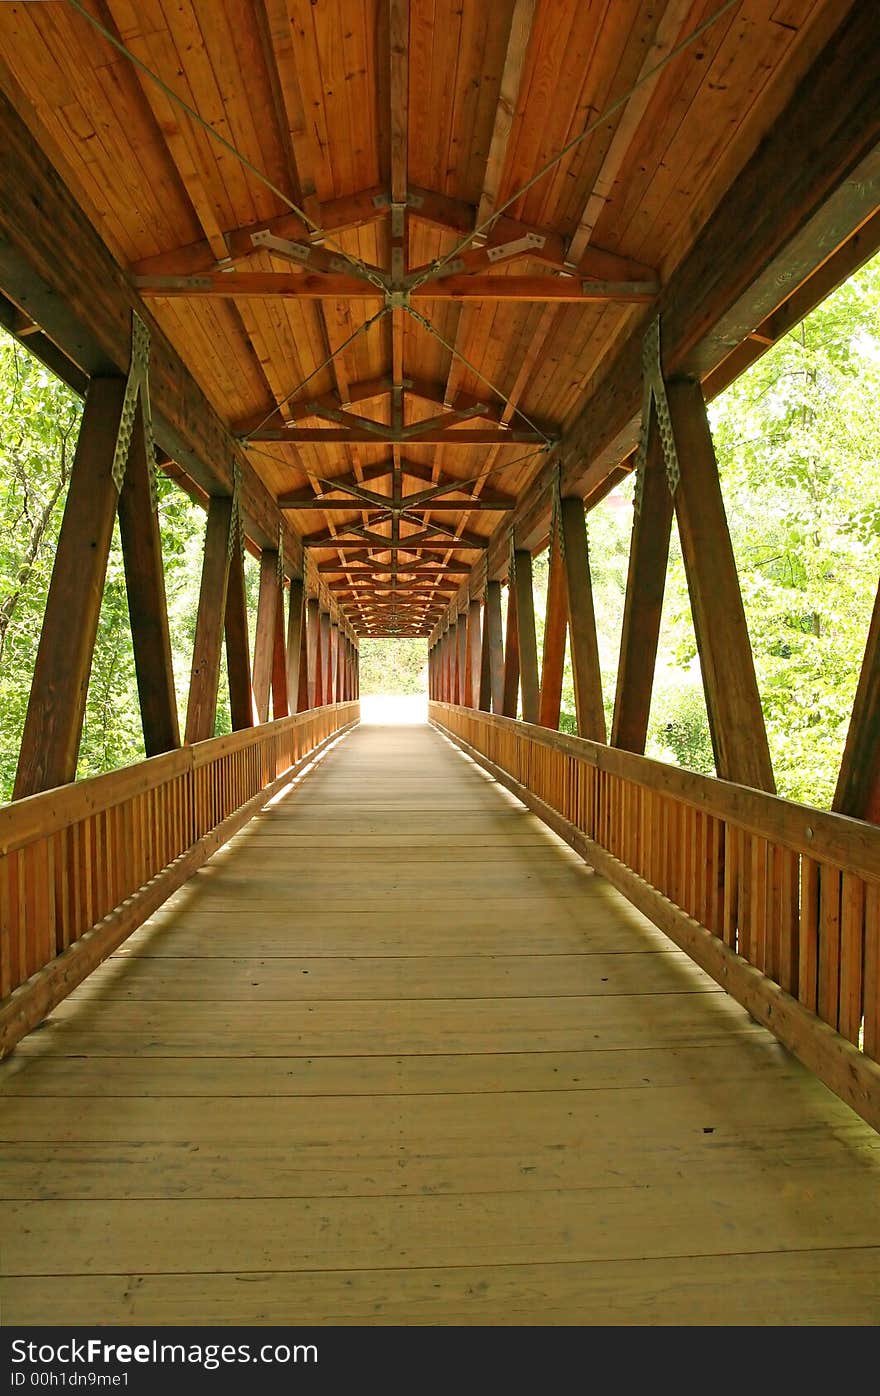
x=348 y=1075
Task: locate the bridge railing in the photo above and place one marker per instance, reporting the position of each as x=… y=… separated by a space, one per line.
x=82 y=865
x=779 y=902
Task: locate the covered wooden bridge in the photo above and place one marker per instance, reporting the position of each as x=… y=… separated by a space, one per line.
x=468 y=1022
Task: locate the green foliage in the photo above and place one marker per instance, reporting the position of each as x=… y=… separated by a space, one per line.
x=798 y=441
x=39 y=424
x=394 y=666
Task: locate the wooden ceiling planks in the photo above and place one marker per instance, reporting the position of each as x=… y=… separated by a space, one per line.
x=448 y=106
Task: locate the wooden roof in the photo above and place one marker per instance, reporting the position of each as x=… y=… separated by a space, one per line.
x=397 y=129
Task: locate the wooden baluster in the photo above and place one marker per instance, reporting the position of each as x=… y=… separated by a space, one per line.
x=852 y=947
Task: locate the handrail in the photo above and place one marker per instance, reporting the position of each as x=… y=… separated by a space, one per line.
x=778 y=901
x=72 y=859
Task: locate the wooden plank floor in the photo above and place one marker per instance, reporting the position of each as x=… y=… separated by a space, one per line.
x=396 y=1056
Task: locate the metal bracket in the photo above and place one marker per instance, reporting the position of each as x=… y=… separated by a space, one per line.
x=510 y=249
x=397 y=300
x=654 y=395
x=302 y=253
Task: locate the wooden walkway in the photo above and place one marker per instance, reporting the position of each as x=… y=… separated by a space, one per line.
x=396 y=1056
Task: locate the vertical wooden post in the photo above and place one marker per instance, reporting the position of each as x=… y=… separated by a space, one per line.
x=334 y=662
x=736 y=722
x=461 y=659
x=145 y=585
x=324 y=646
x=238 y=659
x=448 y=661
x=57 y=704
x=510 y=690
x=302 y=688
x=858 y=784
x=492 y=697
x=264 y=640
x=201 y=712
x=280 y=696
x=295 y=637
x=555 y=630
x=583 y=643
x=472 y=664
x=643 y=607
x=525 y=629
x=313 y=644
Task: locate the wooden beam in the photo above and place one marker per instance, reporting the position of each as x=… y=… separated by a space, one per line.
x=583 y=641
x=508 y=98
x=147 y=604
x=55 y=265
x=324 y=646
x=57 y=704
x=728 y=281
x=201 y=713
x=461 y=693
x=643 y=606
x=555 y=632
x=474 y=647
x=858 y=784
x=349 y=211
x=731 y=279
x=492 y=673
x=453 y=436
x=526 y=636
x=295 y=643
x=510 y=689
x=264 y=639
x=736 y=722
x=313 y=643
x=319 y=286
x=238 y=660
x=280 y=694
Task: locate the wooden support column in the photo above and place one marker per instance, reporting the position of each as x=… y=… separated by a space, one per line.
x=280 y=693
x=238 y=659
x=57 y=704
x=302 y=689
x=510 y=689
x=643 y=607
x=525 y=630
x=858 y=784
x=472 y=665
x=461 y=659
x=448 y=693
x=493 y=651
x=736 y=722
x=313 y=645
x=555 y=630
x=264 y=640
x=583 y=643
x=334 y=662
x=201 y=712
x=295 y=638
x=324 y=646
x=145 y=586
